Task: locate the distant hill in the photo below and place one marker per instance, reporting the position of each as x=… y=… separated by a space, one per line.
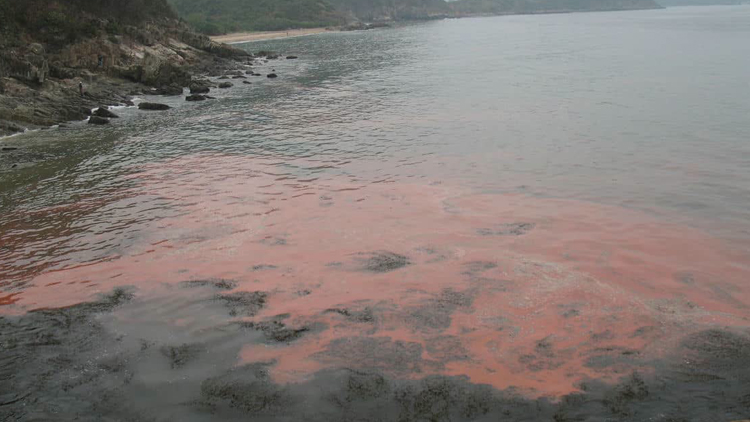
x=670 y=3
x=223 y=16
x=393 y=10
x=506 y=7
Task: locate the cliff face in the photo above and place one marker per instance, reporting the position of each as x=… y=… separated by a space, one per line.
x=48 y=46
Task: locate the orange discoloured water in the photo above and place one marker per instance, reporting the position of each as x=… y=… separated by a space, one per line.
x=507 y=289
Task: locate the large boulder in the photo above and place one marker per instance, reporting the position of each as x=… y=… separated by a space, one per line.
x=103 y=112
x=153 y=106
x=96 y=120
x=200 y=87
x=159 y=72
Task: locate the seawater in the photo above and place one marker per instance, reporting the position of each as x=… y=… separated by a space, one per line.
x=509 y=199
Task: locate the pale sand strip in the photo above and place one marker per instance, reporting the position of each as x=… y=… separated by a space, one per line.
x=240 y=37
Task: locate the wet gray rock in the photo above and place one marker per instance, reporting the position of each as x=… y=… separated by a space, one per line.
x=239 y=77
x=103 y=112
x=225 y=85
x=247 y=82
x=7 y=128
x=153 y=106
x=96 y=120
x=200 y=87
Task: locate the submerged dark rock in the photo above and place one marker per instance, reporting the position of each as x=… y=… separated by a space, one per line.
x=153 y=106
x=291 y=57
x=200 y=87
x=196 y=97
x=272 y=75
x=103 y=112
x=225 y=85
x=96 y=120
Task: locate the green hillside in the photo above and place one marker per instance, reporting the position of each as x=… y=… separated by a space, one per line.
x=60 y=22
x=222 y=16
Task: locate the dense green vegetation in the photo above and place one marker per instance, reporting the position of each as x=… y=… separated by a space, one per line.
x=222 y=16
x=60 y=22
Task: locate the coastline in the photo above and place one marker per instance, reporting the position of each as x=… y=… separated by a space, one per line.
x=242 y=37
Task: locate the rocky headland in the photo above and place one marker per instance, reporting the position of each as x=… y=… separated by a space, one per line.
x=59 y=60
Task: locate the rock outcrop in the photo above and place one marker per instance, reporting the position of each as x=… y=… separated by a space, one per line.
x=113 y=48
x=153 y=106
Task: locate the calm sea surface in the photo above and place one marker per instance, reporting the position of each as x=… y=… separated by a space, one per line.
x=477 y=185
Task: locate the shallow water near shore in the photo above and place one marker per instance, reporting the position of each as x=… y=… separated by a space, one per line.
x=529 y=217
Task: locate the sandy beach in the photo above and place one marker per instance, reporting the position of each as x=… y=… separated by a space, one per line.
x=240 y=37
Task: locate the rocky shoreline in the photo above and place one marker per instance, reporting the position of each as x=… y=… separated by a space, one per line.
x=40 y=86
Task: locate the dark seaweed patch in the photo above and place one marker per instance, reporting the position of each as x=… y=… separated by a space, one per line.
x=243 y=303
x=180 y=355
x=275 y=331
x=217 y=283
x=508 y=229
x=379 y=353
x=436 y=313
x=261 y=267
x=75 y=364
x=248 y=389
x=446 y=349
x=383 y=262
x=363 y=315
